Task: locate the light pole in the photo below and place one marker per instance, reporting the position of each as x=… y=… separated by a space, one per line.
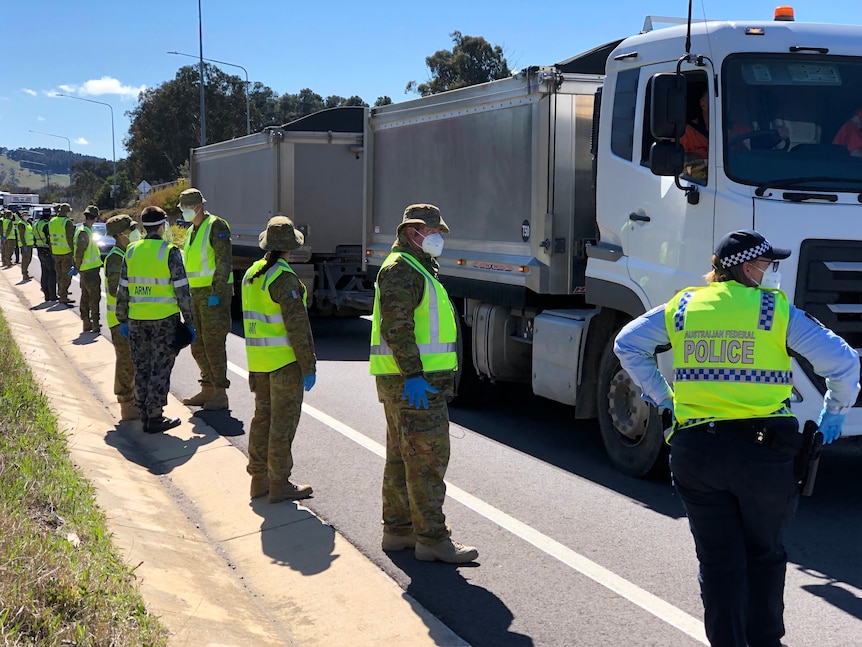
x=69 y=162
x=201 y=69
x=247 y=108
x=42 y=164
x=113 y=148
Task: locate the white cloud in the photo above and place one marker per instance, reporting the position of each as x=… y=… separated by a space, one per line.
x=32 y=93
x=81 y=141
x=103 y=86
x=40 y=118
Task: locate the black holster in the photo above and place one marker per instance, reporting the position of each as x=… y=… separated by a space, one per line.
x=808 y=459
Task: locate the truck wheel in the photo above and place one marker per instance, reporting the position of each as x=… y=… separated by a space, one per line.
x=631 y=429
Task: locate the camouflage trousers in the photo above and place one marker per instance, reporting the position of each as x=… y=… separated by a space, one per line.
x=417 y=455
x=151 y=345
x=209 y=349
x=48 y=279
x=62 y=264
x=6 y=249
x=277 y=407
x=26 y=258
x=124 y=370
x=91 y=294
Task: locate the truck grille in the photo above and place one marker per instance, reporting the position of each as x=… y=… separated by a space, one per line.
x=829 y=287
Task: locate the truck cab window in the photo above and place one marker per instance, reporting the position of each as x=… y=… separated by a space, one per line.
x=623 y=121
x=695 y=138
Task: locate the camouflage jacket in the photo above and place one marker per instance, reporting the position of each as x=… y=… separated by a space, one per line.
x=287 y=291
x=220 y=241
x=113 y=269
x=80 y=248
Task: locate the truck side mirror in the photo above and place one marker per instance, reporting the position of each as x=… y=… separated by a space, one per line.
x=666 y=158
x=668 y=111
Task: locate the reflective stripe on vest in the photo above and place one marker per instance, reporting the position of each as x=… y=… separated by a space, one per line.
x=199 y=256
x=434 y=326
x=729 y=352
x=267 y=346
x=57 y=230
x=40 y=233
x=91 y=258
x=29 y=240
x=151 y=290
x=12 y=233
x=111 y=301
x=8 y=227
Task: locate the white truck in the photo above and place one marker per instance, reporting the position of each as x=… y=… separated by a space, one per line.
x=573 y=210
x=312 y=171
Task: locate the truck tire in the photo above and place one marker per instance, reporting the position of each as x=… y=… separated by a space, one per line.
x=631 y=429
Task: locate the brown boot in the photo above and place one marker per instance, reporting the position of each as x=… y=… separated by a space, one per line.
x=218 y=401
x=129 y=411
x=288 y=491
x=259 y=485
x=88 y=325
x=201 y=398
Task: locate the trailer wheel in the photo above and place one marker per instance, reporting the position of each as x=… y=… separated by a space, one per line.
x=631 y=429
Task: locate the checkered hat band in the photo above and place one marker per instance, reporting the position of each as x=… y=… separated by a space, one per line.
x=747 y=255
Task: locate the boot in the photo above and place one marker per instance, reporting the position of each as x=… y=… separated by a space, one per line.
x=201 y=398
x=447 y=551
x=88 y=325
x=96 y=328
x=160 y=424
x=129 y=411
x=398 y=542
x=287 y=490
x=218 y=402
x=259 y=485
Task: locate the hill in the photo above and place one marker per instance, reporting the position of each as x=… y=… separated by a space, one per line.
x=12 y=173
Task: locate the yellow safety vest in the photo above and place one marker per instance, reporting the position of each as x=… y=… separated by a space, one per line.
x=57 y=230
x=434 y=326
x=8 y=228
x=92 y=258
x=28 y=233
x=151 y=290
x=729 y=353
x=40 y=233
x=13 y=229
x=109 y=299
x=267 y=346
x=199 y=257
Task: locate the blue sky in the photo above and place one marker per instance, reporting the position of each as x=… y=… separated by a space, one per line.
x=107 y=51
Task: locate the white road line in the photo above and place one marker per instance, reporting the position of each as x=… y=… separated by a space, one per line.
x=662 y=610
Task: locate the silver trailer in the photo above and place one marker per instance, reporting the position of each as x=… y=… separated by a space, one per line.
x=312 y=171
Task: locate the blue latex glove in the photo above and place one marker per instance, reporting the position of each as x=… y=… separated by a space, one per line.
x=308 y=381
x=124 y=330
x=193 y=332
x=416 y=391
x=830 y=424
x=213 y=300
x=73 y=271
x=26 y=248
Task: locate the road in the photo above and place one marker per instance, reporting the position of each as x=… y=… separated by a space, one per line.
x=571 y=552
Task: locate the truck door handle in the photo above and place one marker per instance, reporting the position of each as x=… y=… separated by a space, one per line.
x=640 y=217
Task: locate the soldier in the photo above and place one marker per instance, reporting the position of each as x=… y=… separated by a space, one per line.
x=281 y=361
x=124 y=231
x=7 y=232
x=207 y=255
x=413 y=356
x=153 y=291
x=88 y=262
x=25 y=243
x=42 y=240
x=62 y=231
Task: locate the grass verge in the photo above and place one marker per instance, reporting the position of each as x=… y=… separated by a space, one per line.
x=61 y=580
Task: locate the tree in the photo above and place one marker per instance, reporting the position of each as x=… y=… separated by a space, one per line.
x=125 y=192
x=472 y=60
x=383 y=101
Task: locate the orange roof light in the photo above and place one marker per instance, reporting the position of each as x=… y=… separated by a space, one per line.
x=783 y=13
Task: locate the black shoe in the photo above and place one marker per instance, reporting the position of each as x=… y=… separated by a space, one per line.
x=158 y=425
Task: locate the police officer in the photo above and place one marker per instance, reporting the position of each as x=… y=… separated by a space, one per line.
x=62 y=231
x=413 y=356
x=281 y=362
x=42 y=240
x=735 y=438
x=25 y=242
x=88 y=262
x=124 y=230
x=207 y=253
x=153 y=291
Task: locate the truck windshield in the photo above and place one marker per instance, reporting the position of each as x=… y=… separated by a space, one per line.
x=788 y=117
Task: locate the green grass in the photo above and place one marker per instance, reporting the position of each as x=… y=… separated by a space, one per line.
x=11 y=170
x=61 y=580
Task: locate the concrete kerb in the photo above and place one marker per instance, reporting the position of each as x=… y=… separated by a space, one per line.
x=215 y=569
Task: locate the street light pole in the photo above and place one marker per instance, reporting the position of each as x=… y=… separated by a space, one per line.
x=113 y=147
x=69 y=159
x=201 y=55
x=247 y=105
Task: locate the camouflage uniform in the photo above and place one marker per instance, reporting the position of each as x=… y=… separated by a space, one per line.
x=8 y=238
x=152 y=342
x=64 y=262
x=48 y=277
x=26 y=249
x=417 y=440
x=124 y=370
x=91 y=282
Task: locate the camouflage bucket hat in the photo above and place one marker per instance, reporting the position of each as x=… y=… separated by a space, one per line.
x=118 y=224
x=91 y=212
x=191 y=197
x=280 y=235
x=64 y=208
x=423 y=214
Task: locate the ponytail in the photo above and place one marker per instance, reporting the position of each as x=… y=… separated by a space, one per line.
x=271 y=259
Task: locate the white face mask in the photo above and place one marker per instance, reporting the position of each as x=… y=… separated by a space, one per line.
x=134 y=236
x=167 y=234
x=189 y=215
x=432 y=244
x=771 y=279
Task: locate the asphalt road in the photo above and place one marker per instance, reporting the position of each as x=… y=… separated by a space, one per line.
x=571 y=552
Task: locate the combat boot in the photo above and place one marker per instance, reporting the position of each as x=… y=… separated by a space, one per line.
x=201 y=398
x=398 y=542
x=288 y=491
x=218 y=401
x=129 y=411
x=259 y=485
x=88 y=325
x=96 y=328
x=447 y=551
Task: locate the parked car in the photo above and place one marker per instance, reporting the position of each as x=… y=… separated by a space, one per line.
x=100 y=235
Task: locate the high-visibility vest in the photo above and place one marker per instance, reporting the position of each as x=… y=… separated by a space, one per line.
x=151 y=291
x=434 y=326
x=110 y=299
x=199 y=256
x=92 y=258
x=13 y=229
x=729 y=352
x=8 y=227
x=40 y=234
x=57 y=230
x=28 y=233
x=267 y=346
